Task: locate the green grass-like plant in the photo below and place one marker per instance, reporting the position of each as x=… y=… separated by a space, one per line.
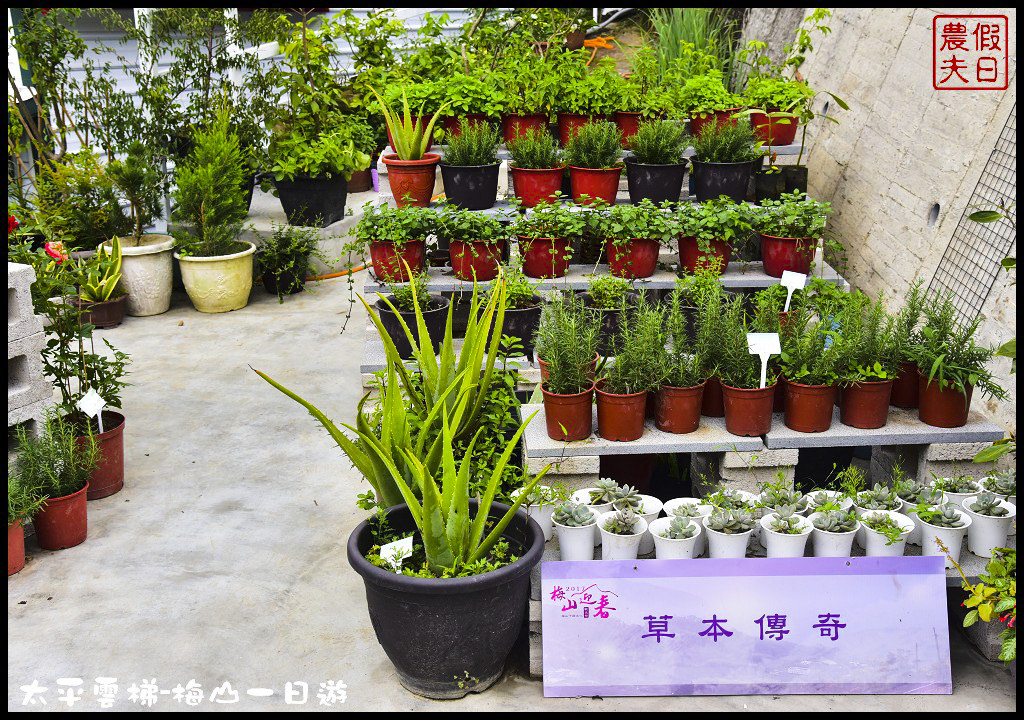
x=54 y=463
x=567 y=342
x=595 y=146
x=535 y=150
x=475 y=144
x=659 y=142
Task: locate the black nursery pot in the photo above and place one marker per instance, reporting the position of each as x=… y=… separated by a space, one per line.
x=288 y=279
x=657 y=183
x=609 y=321
x=795 y=177
x=448 y=637
x=248 y=186
x=434 y=318
x=769 y=186
x=313 y=202
x=522 y=323
x=714 y=179
x=471 y=187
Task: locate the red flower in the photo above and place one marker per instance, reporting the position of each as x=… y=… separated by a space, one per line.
x=56 y=251
x=12 y=224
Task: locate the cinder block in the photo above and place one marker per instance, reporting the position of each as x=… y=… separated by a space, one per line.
x=983 y=635
x=760 y=458
x=21 y=322
x=947 y=452
x=25 y=381
x=534 y=612
x=946 y=459
x=751 y=479
x=704 y=472
x=536 y=656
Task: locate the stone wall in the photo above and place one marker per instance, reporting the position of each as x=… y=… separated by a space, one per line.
x=901 y=149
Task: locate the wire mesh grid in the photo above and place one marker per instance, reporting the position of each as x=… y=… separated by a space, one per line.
x=971 y=263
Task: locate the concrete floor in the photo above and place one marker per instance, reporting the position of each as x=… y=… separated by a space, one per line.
x=223 y=559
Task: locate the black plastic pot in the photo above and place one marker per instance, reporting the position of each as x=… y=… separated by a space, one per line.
x=769 y=186
x=522 y=324
x=471 y=187
x=609 y=321
x=714 y=179
x=448 y=637
x=274 y=281
x=434 y=318
x=796 y=177
x=657 y=183
x=248 y=186
x=313 y=202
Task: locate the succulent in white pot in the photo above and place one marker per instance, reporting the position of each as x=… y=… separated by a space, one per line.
x=817 y=499
x=942 y=530
x=785 y=533
x=885 y=532
x=574 y=524
x=690 y=508
x=957 y=487
x=778 y=495
x=991 y=517
x=540 y=505
x=648 y=506
x=833 y=532
x=913 y=493
x=675 y=537
x=621 y=533
x=599 y=499
x=729 y=532
x=1005 y=486
x=878 y=497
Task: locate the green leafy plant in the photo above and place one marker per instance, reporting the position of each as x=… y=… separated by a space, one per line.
x=583 y=89
x=594 y=146
x=730 y=522
x=410 y=138
x=520 y=291
x=995 y=596
x=474 y=144
x=623 y=522
x=288 y=255
x=706 y=94
x=680 y=528
x=720 y=219
x=642 y=221
x=527 y=79
x=453 y=223
x=726 y=143
x=869 y=338
x=884 y=525
x=535 y=150
x=567 y=342
x=605 y=490
x=393 y=225
x=335 y=152
x=608 y=292
x=878 y=498
x=636 y=347
x=471 y=93
x=101 y=273
x=571 y=514
x=659 y=142
x=835 y=521
x=140 y=181
x=684 y=364
x=23 y=501
x=945 y=516
x=780 y=98
x=735 y=365
x=550 y=220
x=813 y=353
x=407 y=296
x=54 y=463
x=793 y=215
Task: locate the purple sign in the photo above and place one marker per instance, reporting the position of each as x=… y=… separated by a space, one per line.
x=860 y=625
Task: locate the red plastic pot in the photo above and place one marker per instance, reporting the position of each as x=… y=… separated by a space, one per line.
x=62 y=522
x=712 y=404
x=942 y=407
x=637 y=259
x=387 y=259
x=809 y=407
x=544 y=368
x=535 y=186
x=721 y=117
x=748 y=412
x=15 y=547
x=475 y=260
x=451 y=123
x=692 y=257
x=781 y=254
x=677 y=410
x=516 y=126
x=906 y=386
x=569 y=417
x=628 y=123
x=570 y=123
x=108 y=477
x=412 y=181
x=415 y=119
x=545 y=257
x=774 y=131
x=596 y=184
x=865 y=405
x=620 y=418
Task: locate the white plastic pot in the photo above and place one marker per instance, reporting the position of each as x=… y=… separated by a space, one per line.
x=723 y=545
x=784 y=545
x=620 y=547
x=908 y=509
x=670 y=549
x=146 y=273
x=703 y=508
x=829 y=544
x=844 y=504
x=875 y=542
x=541 y=513
x=957 y=498
x=859 y=511
x=952 y=538
x=985 y=531
x=220 y=283
x=651 y=510
x=575 y=543
x=582 y=497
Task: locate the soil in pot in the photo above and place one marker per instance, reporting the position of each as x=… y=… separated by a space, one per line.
x=620 y=418
x=677 y=410
x=712 y=403
x=412 y=181
x=942 y=407
x=569 y=417
x=866 y=404
x=809 y=407
x=106 y=314
x=691 y=257
x=657 y=183
x=638 y=258
x=438 y=631
x=62 y=521
x=905 y=387
x=544 y=257
x=108 y=477
x=388 y=259
x=714 y=179
x=15 y=547
x=434 y=318
x=535 y=186
x=475 y=260
x=313 y=202
x=516 y=126
x=470 y=187
x=609 y=321
x=781 y=254
x=595 y=184
x=748 y=412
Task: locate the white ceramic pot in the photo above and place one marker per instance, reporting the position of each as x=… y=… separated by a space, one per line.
x=829 y=544
x=723 y=545
x=670 y=549
x=620 y=547
x=651 y=511
x=952 y=538
x=1012 y=499
x=784 y=545
x=875 y=543
x=220 y=283
x=575 y=543
x=582 y=497
x=844 y=504
x=703 y=508
x=146 y=272
x=985 y=531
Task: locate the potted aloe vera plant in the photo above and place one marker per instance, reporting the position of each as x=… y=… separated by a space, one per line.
x=546 y=235
x=675 y=537
x=622 y=392
x=411 y=169
x=567 y=345
x=990 y=522
x=728 y=532
x=469 y=169
x=536 y=167
x=593 y=159
x=656 y=168
x=574 y=523
x=833 y=532
x=101 y=303
x=621 y=533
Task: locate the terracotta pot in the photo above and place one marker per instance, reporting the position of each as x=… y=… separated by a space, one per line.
x=62 y=521
x=570 y=123
x=774 y=131
x=15 y=547
x=387 y=259
x=809 y=407
x=748 y=412
x=106 y=314
x=906 y=386
x=361 y=180
x=544 y=257
x=544 y=368
x=108 y=477
x=475 y=259
x=535 y=186
x=942 y=407
x=721 y=117
x=781 y=254
x=452 y=123
x=692 y=257
x=596 y=184
x=866 y=404
x=780 y=395
x=677 y=410
x=569 y=417
x=637 y=259
x=620 y=418
x=628 y=123
x=574 y=39
x=516 y=126
x=412 y=178
x=712 y=403
x=416 y=119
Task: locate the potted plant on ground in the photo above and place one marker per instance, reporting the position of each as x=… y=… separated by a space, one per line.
x=475 y=241
x=57 y=465
x=566 y=343
x=946 y=523
x=536 y=167
x=906 y=336
x=957 y=487
x=656 y=168
x=101 y=303
x=707 y=102
x=785 y=533
x=469 y=169
x=728 y=532
x=216 y=267
x=790 y=229
x=747 y=405
x=575 y=524
x=833 y=532
x=709 y=231
x=23 y=502
x=885 y=533
x=870 y=365
x=675 y=537
x=608 y=298
x=401 y=312
x=991 y=517
x=621 y=533
x=635 y=234
x=546 y=235
x=411 y=169
x=684 y=369
x=593 y=158
x=286 y=258
x=812 y=357
x=395 y=237
x=723 y=159
x=950 y=365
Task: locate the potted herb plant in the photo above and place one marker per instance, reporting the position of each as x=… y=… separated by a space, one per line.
x=411 y=169
x=608 y=298
x=99 y=299
x=622 y=392
x=728 y=532
x=833 y=532
x=400 y=312
x=621 y=533
x=945 y=524
x=643 y=97
x=566 y=344
x=656 y=168
x=723 y=160
x=684 y=369
x=574 y=523
x=885 y=533
x=790 y=229
x=708 y=103
x=586 y=94
x=775 y=104
x=536 y=167
x=23 y=502
x=675 y=537
x=529 y=88
x=709 y=231
x=785 y=533
x=540 y=505
x=469 y=169
x=475 y=241
x=870 y=364
x=747 y=405
x=395 y=238
x=216 y=267
x=991 y=517
x=635 y=234
x=546 y=235
x=286 y=259
x=593 y=158
x=472 y=100
x=812 y=357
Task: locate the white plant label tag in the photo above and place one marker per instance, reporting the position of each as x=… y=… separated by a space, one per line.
x=92 y=405
x=792 y=281
x=765 y=345
x=397 y=551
